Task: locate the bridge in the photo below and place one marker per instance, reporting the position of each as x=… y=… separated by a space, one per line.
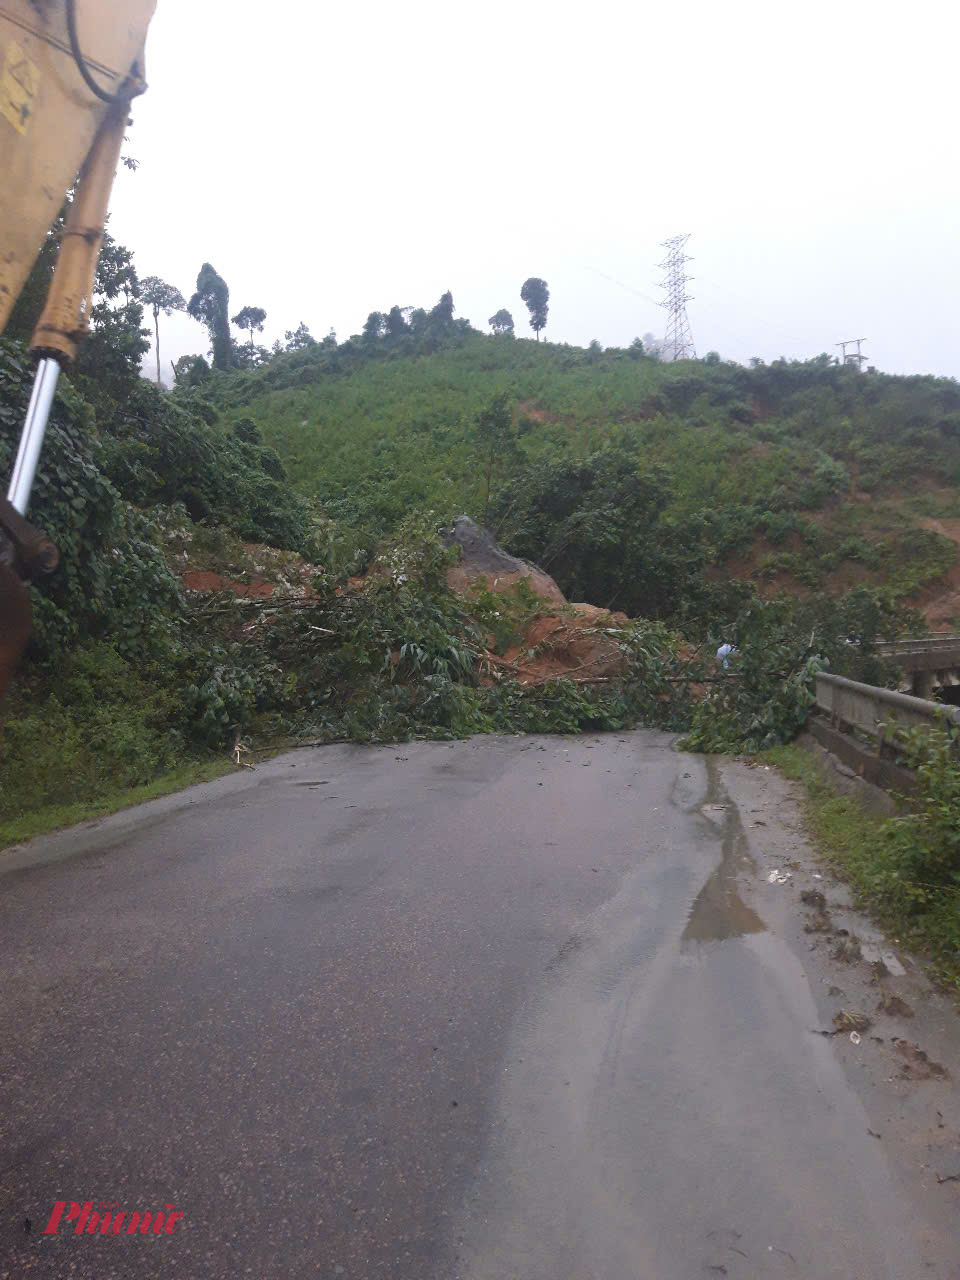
x=930 y=665
x=858 y=722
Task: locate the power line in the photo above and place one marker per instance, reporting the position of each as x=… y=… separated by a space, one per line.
x=852 y=358
x=678 y=342
x=629 y=287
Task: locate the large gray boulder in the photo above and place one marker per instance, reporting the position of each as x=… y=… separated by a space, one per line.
x=483 y=562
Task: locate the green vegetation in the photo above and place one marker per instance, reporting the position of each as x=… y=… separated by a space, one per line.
x=502 y=322
x=771 y=467
x=708 y=501
x=160 y=296
x=906 y=869
x=211 y=306
x=780 y=645
x=250 y=318
x=394 y=659
x=537 y=297
x=110 y=799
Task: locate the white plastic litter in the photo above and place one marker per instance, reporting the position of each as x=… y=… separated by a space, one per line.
x=854 y=1037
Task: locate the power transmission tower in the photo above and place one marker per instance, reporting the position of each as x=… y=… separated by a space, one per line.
x=852 y=358
x=678 y=343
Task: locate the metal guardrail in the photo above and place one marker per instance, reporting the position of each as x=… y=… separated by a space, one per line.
x=868 y=708
x=918 y=645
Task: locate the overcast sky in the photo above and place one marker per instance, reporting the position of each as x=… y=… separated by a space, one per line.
x=333 y=159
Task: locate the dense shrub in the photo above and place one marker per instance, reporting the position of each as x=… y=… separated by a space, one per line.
x=112 y=578
x=158 y=450
x=97 y=725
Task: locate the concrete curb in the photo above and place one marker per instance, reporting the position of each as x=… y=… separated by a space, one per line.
x=840 y=777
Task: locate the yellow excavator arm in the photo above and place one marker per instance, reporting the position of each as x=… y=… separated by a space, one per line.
x=50 y=114
x=68 y=71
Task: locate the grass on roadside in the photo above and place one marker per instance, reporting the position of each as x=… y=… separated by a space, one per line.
x=52 y=817
x=863 y=849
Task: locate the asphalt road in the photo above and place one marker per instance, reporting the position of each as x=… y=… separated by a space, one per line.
x=492 y=1010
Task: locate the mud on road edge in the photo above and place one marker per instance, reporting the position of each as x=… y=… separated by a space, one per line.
x=897 y=1036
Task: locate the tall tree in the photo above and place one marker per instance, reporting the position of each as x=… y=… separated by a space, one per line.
x=396 y=322
x=107 y=367
x=299 y=339
x=374 y=327
x=211 y=306
x=502 y=322
x=537 y=297
x=160 y=296
x=442 y=313
x=437 y=324
x=250 y=318
x=190 y=371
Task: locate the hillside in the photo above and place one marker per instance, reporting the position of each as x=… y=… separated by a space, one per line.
x=783 y=508
x=794 y=476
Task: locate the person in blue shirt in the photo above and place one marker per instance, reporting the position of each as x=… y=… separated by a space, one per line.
x=724 y=654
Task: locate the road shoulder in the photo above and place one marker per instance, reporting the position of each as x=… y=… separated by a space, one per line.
x=896 y=1035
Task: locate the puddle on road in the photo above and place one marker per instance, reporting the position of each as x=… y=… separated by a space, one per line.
x=718 y=911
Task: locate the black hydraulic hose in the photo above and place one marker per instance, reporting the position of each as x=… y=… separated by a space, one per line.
x=113 y=99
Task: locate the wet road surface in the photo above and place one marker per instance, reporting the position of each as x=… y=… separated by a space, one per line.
x=493 y=1010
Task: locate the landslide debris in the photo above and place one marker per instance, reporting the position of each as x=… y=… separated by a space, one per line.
x=554 y=639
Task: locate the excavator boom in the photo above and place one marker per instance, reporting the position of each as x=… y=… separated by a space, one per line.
x=68 y=71
x=49 y=114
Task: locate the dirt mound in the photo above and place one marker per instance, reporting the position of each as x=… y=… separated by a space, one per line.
x=575 y=644
x=205 y=580
x=569 y=641
x=259 y=572
x=483 y=563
